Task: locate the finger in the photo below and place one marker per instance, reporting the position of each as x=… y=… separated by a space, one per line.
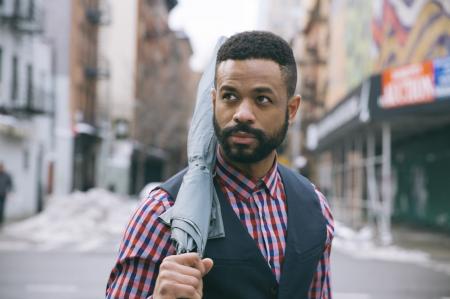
x=184 y=291
x=184 y=279
x=207 y=264
x=191 y=259
x=173 y=266
x=187 y=259
x=175 y=290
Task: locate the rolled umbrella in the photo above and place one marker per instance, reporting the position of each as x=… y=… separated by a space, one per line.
x=195 y=215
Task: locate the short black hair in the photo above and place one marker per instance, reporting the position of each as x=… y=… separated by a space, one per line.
x=261 y=45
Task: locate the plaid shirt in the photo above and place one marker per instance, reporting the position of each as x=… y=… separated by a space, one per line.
x=261 y=207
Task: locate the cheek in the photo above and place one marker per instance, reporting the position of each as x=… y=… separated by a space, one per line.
x=273 y=118
x=224 y=115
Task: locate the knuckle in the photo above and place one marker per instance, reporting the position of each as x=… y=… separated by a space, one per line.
x=165 y=265
x=191 y=291
x=169 y=258
x=165 y=287
x=195 y=282
x=163 y=275
x=197 y=274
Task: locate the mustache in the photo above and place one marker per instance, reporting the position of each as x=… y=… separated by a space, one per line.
x=242 y=127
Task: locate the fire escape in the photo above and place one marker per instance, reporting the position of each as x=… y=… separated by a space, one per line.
x=24 y=18
x=93 y=68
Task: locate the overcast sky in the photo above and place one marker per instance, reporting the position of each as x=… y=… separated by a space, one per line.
x=205 y=20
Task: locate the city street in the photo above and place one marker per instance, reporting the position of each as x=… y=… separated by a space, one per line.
x=65 y=273
x=100 y=101
x=372 y=279
x=51 y=275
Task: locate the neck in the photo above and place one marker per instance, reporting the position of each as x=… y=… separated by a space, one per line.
x=255 y=170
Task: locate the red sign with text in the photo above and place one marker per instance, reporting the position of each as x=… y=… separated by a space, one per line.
x=408 y=85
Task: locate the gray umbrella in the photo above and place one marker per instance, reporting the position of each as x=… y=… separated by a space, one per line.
x=196 y=215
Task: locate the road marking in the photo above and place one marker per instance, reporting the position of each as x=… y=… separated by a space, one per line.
x=51 y=288
x=351 y=296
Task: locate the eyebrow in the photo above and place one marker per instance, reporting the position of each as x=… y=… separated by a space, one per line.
x=263 y=90
x=256 y=90
x=228 y=88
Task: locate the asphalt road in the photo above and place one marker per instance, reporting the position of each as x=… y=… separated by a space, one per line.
x=373 y=279
x=75 y=275
x=51 y=275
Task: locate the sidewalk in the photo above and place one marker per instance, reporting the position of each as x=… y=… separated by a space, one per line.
x=415 y=266
x=435 y=244
x=410 y=245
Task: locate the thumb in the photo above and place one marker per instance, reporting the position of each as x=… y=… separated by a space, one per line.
x=208 y=264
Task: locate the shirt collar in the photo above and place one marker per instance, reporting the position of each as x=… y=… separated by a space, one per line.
x=240 y=184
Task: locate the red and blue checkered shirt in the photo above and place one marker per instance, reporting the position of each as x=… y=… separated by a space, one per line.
x=261 y=207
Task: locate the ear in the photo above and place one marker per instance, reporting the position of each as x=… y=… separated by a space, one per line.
x=213 y=97
x=293 y=105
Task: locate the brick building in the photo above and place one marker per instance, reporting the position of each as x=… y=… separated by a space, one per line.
x=165 y=94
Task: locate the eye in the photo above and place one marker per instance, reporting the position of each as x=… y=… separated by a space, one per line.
x=228 y=96
x=263 y=100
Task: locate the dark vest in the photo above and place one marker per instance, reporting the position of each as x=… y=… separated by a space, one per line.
x=241 y=271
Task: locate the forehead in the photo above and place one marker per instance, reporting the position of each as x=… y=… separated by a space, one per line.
x=250 y=71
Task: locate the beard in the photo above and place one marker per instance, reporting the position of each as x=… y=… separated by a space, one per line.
x=242 y=153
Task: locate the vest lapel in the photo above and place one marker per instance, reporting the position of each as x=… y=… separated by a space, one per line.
x=306 y=235
x=235 y=230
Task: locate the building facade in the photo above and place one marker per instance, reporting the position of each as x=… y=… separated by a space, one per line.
x=26 y=105
x=374 y=81
x=116 y=96
x=387 y=87
x=165 y=95
x=86 y=69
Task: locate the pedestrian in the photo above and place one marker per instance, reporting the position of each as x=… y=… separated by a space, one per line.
x=278 y=226
x=5 y=187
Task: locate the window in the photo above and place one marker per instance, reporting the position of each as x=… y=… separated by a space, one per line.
x=1 y=61
x=30 y=87
x=14 y=79
x=17 y=7
x=31 y=9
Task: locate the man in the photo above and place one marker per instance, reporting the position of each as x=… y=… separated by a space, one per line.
x=5 y=188
x=278 y=227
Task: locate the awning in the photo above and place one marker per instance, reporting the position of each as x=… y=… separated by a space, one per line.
x=351 y=113
x=412 y=99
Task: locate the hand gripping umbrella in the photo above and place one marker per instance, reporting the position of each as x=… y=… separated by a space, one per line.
x=196 y=215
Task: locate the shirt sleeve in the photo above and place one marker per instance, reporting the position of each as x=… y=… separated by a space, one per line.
x=145 y=244
x=321 y=286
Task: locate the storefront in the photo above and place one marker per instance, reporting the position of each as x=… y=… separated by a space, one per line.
x=385 y=149
x=415 y=101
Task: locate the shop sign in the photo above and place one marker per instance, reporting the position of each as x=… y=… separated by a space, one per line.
x=408 y=85
x=442 y=77
x=415 y=84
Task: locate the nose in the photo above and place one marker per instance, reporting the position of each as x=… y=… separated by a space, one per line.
x=244 y=113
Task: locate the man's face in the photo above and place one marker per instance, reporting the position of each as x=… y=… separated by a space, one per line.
x=251 y=108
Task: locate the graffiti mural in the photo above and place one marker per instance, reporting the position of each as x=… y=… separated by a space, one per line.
x=410 y=31
x=367 y=37
x=351 y=58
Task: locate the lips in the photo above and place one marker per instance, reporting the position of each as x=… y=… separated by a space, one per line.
x=242 y=138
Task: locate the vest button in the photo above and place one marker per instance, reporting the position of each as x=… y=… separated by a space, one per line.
x=274 y=290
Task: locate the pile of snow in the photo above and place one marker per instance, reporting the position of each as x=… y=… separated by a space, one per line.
x=361 y=244
x=80 y=221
